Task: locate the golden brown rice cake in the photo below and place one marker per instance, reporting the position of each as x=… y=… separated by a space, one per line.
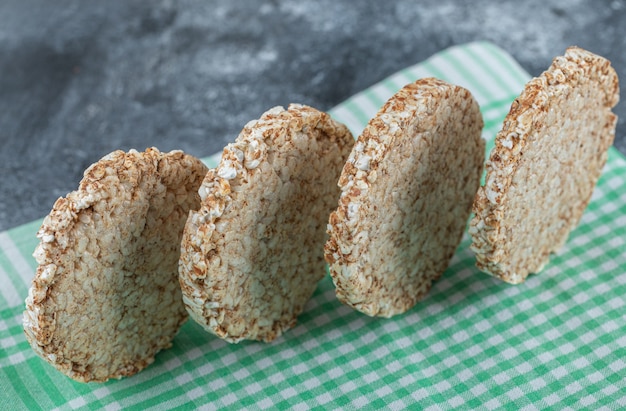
x=544 y=166
x=406 y=195
x=105 y=298
x=253 y=254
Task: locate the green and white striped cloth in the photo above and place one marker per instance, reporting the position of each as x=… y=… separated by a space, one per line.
x=557 y=341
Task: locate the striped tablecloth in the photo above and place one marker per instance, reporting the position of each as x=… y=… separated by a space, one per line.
x=557 y=341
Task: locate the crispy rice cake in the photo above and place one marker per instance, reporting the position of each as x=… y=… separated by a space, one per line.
x=544 y=166
x=105 y=298
x=252 y=256
x=406 y=195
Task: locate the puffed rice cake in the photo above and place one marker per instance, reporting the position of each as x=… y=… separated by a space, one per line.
x=544 y=166
x=406 y=195
x=106 y=298
x=252 y=256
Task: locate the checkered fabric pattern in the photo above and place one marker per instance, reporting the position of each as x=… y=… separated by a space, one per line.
x=557 y=341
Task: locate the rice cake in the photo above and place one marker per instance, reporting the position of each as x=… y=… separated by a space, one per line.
x=406 y=194
x=253 y=254
x=544 y=166
x=105 y=298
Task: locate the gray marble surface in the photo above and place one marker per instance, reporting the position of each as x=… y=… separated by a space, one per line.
x=79 y=79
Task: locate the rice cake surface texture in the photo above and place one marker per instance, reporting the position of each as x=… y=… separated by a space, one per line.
x=406 y=195
x=105 y=298
x=544 y=166
x=253 y=254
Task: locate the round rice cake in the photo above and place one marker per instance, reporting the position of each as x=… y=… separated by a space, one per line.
x=252 y=256
x=406 y=194
x=544 y=166
x=105 y=298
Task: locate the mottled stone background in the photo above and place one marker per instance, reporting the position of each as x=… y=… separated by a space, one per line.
x=79 y=79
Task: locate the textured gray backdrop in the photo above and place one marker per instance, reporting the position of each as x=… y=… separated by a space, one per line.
x=79 y=79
